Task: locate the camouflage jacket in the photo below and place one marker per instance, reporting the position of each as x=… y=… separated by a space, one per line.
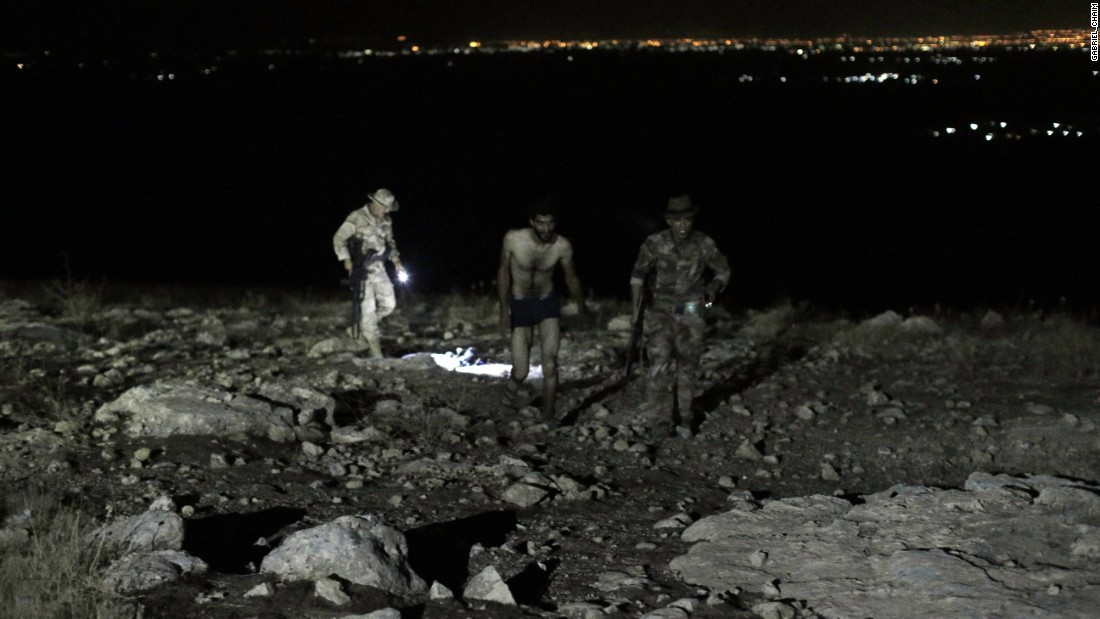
x=376 y=234
x=678 y=271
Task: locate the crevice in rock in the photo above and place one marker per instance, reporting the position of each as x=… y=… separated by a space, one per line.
x=441 y=551
x=354 y=406
x=529 y=586
x=227 y=542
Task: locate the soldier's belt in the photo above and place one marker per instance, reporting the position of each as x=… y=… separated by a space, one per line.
x=684 y=308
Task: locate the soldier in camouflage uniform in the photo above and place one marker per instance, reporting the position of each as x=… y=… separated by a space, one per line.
x=372 y=229
x=674 y=262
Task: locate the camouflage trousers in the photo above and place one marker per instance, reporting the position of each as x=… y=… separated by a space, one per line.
x=674 y=343
x=378 y=301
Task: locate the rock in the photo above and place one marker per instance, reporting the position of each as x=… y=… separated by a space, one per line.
x=775 y=610
x=921 y=324
x=487 y=585
x=669 y=612
x=138 y=572
x=362 y=549
x=992 y=549
x=262 y=590
x=310 y=404
x=385 y=613
x=613 y=581
x=440 y=591
x=347 y=435
x=524 y=495
x=156 y=529
x=582 y=610
x=181 y=407
x=330 y=590
x=889 y=318
x=1038 y=409
x=678 y=521
x=334 y=345
x=805 y=413
x=877 y=398
x=211 y=332
x=748 y=451
x=991 y=320
x=569 y=487
x=621 y=322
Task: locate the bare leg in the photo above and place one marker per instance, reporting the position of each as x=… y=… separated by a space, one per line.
x=550 y=340
x=521 y=357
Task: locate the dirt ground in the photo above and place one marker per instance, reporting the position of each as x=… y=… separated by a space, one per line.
x=793 y=402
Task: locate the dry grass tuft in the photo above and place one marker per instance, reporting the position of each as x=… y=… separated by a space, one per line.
x=49 y=568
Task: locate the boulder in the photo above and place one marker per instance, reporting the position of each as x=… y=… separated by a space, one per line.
x=183 y=407
x=994 y=548
x=156 y=529
x=139 y=572
x=361 y=549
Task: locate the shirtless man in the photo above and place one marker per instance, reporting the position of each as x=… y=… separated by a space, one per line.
x=525 y=283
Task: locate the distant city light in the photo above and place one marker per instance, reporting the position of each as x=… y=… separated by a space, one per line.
x=973 y=126
x=950 y=130
x=1056 y=125
x=988 y=137
x=1003 y=124
x=474 y=44
x=402 y=38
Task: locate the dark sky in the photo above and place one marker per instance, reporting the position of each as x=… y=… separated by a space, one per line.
x=27 y=25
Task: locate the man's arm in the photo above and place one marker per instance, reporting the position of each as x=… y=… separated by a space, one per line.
x=340 y=242
x=721 y=267
x=572 y=282
x=504 y=283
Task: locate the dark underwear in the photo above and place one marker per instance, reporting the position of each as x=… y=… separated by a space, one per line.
x=528 y=312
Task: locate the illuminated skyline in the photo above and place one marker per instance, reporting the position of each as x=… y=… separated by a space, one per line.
x=165 y=24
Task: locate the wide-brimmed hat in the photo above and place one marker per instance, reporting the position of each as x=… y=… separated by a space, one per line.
x=385 y=198
x=680 y=206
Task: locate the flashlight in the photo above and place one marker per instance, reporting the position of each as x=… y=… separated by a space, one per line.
x=403 y=277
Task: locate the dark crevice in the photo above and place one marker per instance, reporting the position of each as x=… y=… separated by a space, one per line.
x=227 y=542
x=440 y=552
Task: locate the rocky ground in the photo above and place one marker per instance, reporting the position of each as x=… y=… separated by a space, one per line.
x=247 y=462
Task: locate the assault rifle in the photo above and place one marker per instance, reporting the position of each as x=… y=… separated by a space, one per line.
x=636 y=328
x=360 y=263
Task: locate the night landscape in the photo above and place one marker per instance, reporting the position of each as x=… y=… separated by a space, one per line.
x=898 y=394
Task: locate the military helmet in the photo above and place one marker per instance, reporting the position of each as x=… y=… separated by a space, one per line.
x=385 y=198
